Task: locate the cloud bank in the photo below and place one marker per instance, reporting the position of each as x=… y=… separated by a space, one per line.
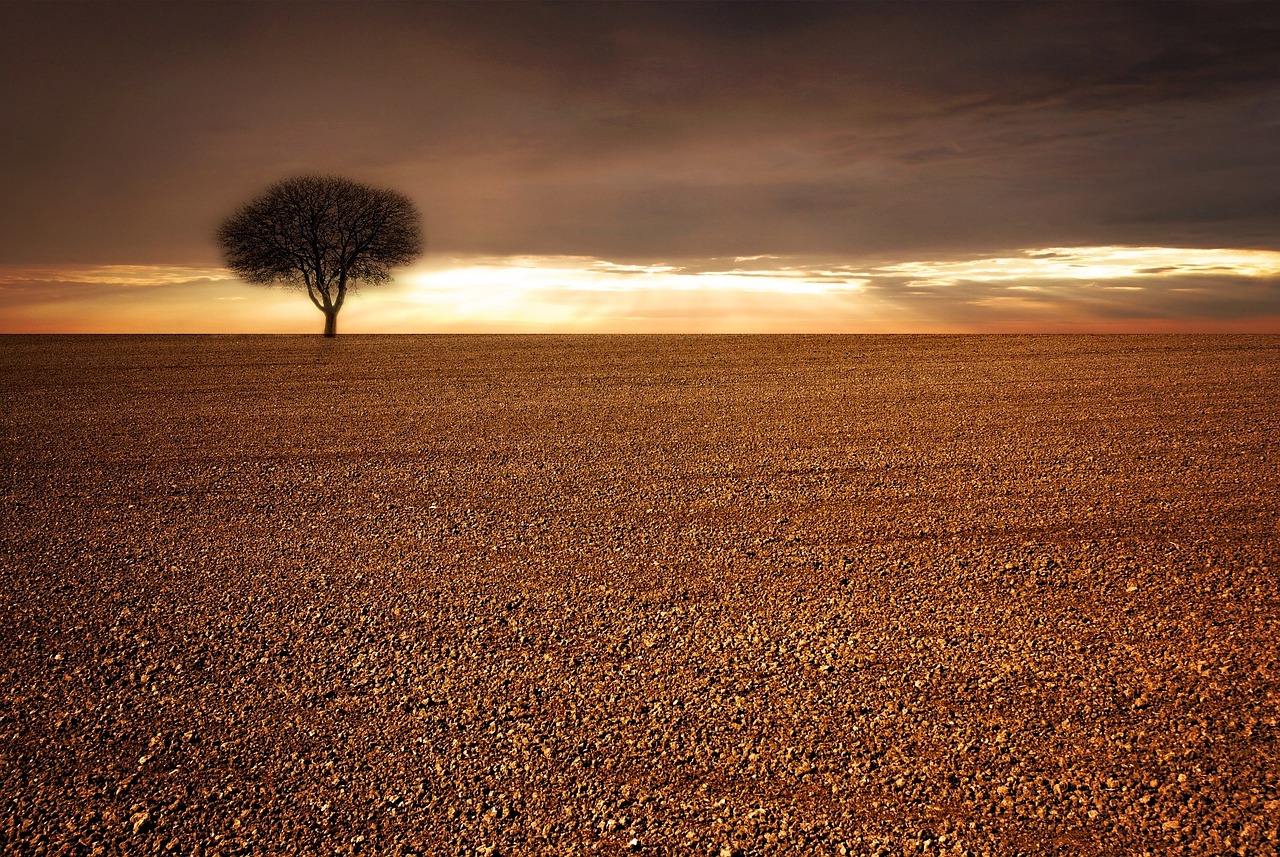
x=621 y=130
x=648 y=132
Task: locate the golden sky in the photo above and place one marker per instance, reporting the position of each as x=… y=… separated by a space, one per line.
x=1057 y=289
x=746 y=167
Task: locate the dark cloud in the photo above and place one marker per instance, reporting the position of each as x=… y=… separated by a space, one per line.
x=648 y=129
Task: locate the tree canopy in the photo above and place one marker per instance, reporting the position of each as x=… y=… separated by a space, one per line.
x=322 y=234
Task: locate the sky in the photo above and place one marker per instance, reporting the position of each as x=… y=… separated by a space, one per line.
x=656 y=167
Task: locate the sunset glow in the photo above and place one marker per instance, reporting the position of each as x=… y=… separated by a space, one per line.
x=1054 y=288
x=1094 y=263
x=655 y=167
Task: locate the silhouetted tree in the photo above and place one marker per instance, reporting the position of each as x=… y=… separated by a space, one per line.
x=323 y=234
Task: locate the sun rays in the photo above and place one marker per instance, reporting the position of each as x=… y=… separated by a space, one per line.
x=1050 y=288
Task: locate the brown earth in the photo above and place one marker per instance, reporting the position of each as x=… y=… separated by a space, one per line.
x=672 y=595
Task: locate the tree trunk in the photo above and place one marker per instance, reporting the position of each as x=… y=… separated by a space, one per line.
x=331 y=323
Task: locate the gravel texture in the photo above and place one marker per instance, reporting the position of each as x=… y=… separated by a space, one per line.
x=670 y=595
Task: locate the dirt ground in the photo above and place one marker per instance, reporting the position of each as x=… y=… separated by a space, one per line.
x=658 y=595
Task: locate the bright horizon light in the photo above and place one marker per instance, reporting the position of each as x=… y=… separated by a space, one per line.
x=1094 y=263
x=1055 y=288
x=793 y=276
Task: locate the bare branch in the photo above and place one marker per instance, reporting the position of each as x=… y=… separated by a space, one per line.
x=322 y=234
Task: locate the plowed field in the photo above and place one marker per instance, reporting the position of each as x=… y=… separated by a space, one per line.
x=669 y=595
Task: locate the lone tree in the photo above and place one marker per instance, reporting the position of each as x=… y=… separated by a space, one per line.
x=324 y=234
